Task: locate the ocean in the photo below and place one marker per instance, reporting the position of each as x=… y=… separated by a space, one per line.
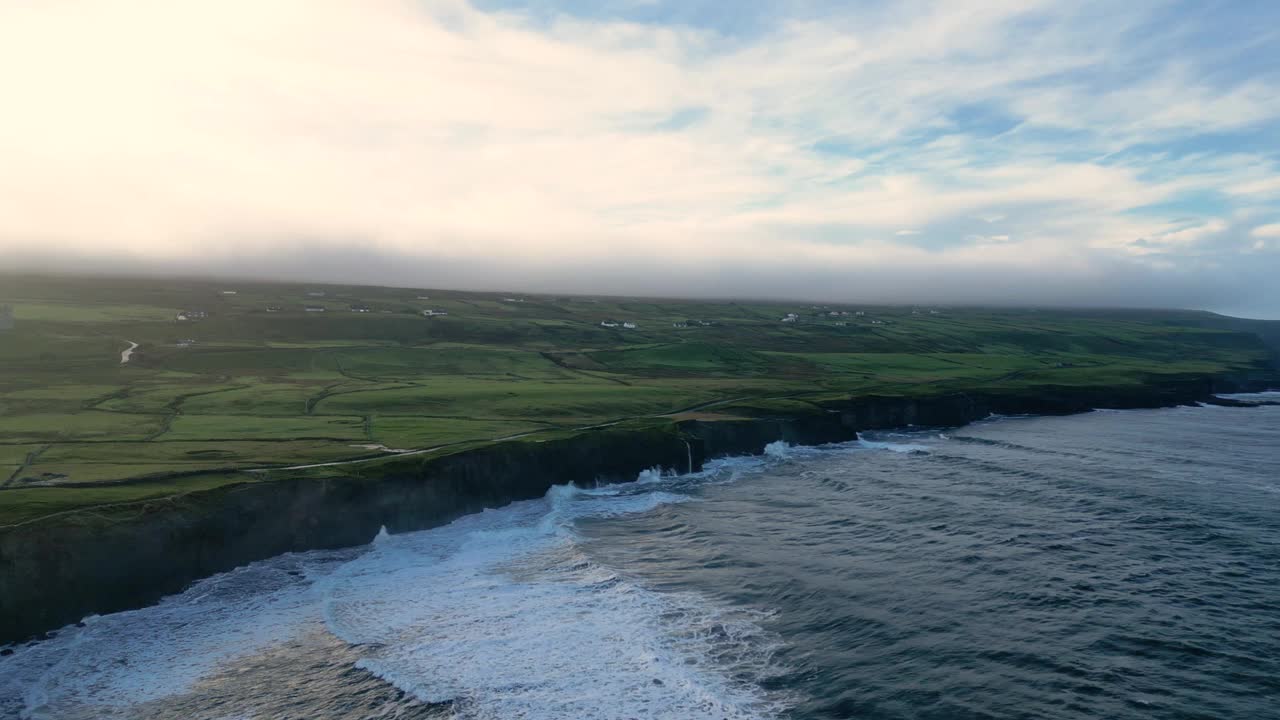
x=1114 y=564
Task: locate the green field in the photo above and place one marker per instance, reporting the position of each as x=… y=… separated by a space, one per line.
x=256 y=382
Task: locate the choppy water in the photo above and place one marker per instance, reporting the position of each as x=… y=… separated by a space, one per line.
x=1107 y=565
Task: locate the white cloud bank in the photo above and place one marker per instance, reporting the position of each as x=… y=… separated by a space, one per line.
x=429 y=142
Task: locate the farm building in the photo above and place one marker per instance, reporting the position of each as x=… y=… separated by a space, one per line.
x=434 y=313
x=313 y=308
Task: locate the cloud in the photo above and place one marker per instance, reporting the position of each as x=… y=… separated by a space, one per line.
x=1265 y=186
x=1187 y=233
x=1266 y=231
x=548 y=147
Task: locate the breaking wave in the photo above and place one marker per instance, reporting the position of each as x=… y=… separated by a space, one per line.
x=898 y=447
x=500 y=614
x=778 y=450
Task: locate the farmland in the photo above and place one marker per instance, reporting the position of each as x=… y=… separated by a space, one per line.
x=261 y=377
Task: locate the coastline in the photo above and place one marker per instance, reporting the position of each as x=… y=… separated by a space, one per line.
x=59 y=569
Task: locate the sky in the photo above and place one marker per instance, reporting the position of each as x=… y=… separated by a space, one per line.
x=1043 y=152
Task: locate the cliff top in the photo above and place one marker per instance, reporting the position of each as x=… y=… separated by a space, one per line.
x=228 y=378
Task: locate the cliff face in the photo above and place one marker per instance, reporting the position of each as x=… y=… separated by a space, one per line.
x=57 y=570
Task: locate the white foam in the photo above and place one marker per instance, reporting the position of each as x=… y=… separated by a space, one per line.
x=1263 y=395
x=653 y=475
x=778 y=449
x=551 y=635
x=117 y=660
x=501 y=612
x=892 y=446
x=514 y=620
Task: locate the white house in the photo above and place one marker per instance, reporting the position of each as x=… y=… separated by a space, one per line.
x=608 y=323
x=435 y=313
x=228 y=292
x=790 y=318
x=313 y=308
x=629 y=325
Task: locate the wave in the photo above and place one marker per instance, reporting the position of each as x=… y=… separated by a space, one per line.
x=1262 y=395
x=115 y=661
x=501 y=614
x=907 y=448
x=654 y=475
x=778 y=450
x=506 y=616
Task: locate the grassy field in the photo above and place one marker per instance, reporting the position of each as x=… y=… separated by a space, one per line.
x=253 y=380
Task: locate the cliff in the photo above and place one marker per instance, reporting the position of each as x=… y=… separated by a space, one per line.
x=59 y=569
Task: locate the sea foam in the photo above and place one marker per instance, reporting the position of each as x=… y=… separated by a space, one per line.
x=502 y=613
x=869 y=444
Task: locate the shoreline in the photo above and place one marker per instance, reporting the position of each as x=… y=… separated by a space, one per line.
x=58 y=569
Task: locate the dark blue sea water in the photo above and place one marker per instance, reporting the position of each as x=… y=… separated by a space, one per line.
x=1106 y=565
